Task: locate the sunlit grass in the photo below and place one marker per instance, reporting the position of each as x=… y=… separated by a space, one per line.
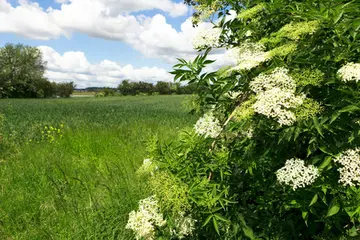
x=82 y=185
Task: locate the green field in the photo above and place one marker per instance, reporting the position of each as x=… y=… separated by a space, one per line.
x=78 y=182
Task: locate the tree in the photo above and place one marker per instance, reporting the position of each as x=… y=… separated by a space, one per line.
x=126 y=88
x=163 y=87
x=65 y=89
x=21 y=71
x=276 y=154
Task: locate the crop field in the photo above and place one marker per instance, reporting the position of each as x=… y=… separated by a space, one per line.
x=67 y=166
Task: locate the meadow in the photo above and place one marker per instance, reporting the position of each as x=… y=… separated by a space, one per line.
x=67 y=166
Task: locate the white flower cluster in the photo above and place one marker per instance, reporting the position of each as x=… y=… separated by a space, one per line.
x=275 y=103
x=207 y=38
x=249 y=55
x=279 y=78
x=143 y=221
x=276 y=96
x=350 y=72
x=184 y=226
x=208 y=126
x=350 y=172
x=296 y=175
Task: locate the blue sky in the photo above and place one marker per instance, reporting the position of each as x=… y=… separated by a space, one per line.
x=101 y=42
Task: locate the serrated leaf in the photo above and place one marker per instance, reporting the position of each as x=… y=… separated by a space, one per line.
x=314 y=200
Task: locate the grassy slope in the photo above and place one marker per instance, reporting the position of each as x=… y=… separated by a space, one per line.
x=82 y=186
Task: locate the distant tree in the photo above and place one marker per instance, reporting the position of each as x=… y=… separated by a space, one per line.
x=108 y=92
x=126 y=88
x=46 y=89
x=21 y=71
x=163 y=87
x=144 y=87
x=65 y=89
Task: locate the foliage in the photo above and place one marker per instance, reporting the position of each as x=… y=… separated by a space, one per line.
x=21 y=71
x=126 y=87
x=284 y=165
x=83 y=185
x=65 y=89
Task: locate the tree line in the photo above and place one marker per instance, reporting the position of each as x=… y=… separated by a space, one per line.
x=127 y=87
x=22 y=70
x=22 y=75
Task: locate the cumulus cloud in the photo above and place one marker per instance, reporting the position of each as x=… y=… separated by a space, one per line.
x=107 y=19
x=153 y=36
x=74 y=66
x=29 y=20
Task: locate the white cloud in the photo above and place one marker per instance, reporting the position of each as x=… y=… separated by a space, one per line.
x=74 y=66
x=29 y=20
x=153 y=36
x=108 y=19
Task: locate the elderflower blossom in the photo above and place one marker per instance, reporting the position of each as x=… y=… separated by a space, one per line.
x=350 y=72
x=350 y=172
x=184 y=226
x=249 y=133
x=148 y=167
x=207 y=38
x=143 y=221
x=248 y=56
x=296 y=175
x=276 y=103
x=279 y=78
x=208 y=126
x=248 y=33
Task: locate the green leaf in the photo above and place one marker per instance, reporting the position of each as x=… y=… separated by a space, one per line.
x=317 y=126
x=305 y=216
x=220 y=217
x=325 y=163
x=350 y=108
x=334 y=209
x=216 y=226
x=338 y=17
x=314 y=200
x=207 y=220
x=248 y=232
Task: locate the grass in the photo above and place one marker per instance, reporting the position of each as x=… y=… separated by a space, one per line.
x=83 y=184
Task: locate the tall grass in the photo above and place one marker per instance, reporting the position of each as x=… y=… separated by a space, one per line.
x=82 y=185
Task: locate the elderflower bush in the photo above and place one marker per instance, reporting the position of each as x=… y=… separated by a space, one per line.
x=279 y=160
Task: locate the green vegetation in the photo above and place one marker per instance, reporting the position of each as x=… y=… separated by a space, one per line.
x=22 y=71
x=276 y=154
x=126 y=87
x=67 y=166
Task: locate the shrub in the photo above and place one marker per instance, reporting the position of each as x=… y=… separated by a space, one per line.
x=100 y=94
x=276 y=155
x=65 y=89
